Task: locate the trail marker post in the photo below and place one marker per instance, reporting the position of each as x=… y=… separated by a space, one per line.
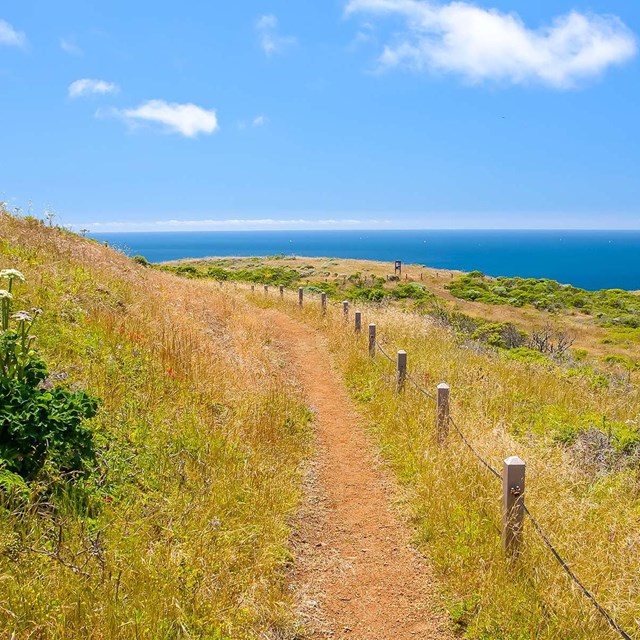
x=372 y=340
x=323 y=302
x=358 y=321
x=253 y=288
x=345 y=309
x=300 y=296
x=281 y=292
x=442 y=412
x=513 y=474
x=266 y=290
x=402 y=370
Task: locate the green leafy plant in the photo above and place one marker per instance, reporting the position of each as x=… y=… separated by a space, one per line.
x=40 y=423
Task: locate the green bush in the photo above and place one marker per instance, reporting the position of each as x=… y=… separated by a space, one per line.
x=611 y=307
x=40 y=423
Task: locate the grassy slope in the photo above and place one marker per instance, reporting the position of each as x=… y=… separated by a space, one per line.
x=586 y=494
x=182 y=530
x=597 y=340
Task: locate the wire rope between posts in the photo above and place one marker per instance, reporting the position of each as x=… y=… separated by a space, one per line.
x=420 y=388
x=494 y=471
x=383 y=352
x=563 y=563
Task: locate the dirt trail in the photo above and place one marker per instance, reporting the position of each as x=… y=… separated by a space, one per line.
x=356 y=574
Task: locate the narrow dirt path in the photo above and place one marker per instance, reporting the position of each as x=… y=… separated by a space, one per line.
x=356 y=574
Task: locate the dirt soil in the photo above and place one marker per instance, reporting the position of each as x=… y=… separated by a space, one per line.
x=356 y=574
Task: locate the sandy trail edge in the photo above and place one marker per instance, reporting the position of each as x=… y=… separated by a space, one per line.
x=356 y=574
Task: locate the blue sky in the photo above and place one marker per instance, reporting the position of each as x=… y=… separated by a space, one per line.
x=322 y=114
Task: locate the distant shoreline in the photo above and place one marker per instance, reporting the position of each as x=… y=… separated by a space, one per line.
x=590 y=260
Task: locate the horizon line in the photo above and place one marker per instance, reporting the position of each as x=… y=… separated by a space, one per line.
x=367 y=229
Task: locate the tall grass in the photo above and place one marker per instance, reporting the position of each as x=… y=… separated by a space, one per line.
x=182 y=530
x=588 y=502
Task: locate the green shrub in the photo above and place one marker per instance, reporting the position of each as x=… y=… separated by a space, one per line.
x=142 y=261
x=40 y=423
x=611 y=307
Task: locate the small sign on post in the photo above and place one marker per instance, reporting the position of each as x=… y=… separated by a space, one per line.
x=402 y=369
x=345 y=309
x=372 y=340
x=281 y=291
x=300 y=296
x=513 y=473
x=398 y=268
x=358 y=321
x=442 y=412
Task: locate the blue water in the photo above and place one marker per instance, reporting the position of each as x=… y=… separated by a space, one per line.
x=587 y=259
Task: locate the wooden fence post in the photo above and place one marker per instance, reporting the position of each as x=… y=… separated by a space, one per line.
x=266 y=289
x=281 y=292
x=513 y=473
x=358 y=321
x=300 y=296
x=345 y=309
x=253 y=288
x=442 y=413
x=402 y=369
x=372 y=340
x=323 y=302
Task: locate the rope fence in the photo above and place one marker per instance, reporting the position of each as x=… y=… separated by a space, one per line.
x=512 y=477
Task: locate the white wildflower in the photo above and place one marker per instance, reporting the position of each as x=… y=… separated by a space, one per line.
x=10 y=274
x=22 y=316
x=5 y=295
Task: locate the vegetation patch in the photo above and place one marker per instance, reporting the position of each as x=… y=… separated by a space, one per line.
x=610 y=307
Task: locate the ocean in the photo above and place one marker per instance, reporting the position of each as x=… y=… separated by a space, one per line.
x=587 y=259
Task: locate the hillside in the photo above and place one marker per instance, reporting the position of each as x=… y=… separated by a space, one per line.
x=180 y=526
x=606 y=331
x=255 y=473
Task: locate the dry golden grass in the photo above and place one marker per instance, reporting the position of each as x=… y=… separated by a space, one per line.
x=183 y=530
x=590 y=507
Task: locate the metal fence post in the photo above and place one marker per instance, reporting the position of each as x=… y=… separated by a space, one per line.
x=358 y=321
x=300 y=296
x=442 y=412
x=513 y=474
x=402 y=369
x=372 y=340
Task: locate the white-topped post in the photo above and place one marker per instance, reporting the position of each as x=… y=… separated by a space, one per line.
x=442 y=412
x=513 y=477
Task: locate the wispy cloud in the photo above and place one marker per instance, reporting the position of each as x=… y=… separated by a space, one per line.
x=70 y=47
x=270 y=39
x=486 y=44
x=188 y=120
x=259 y=121
x=10 y=37
x=238 y=224
x=88 y=87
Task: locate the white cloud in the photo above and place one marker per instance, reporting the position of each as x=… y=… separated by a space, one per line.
x=189 y=120
x=70 y=47
x=87 y=87
x=486 y=44
x=259 y=121
x=270 y=39
x=10 y=37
